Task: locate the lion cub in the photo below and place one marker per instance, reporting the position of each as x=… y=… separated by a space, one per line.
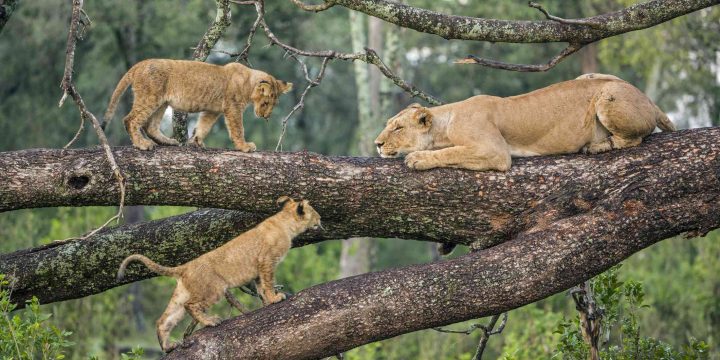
x=594 y=113
x=252 y=256
x=194 y=86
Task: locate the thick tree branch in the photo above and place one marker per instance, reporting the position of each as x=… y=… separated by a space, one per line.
x=636 y=17
x=356 y=197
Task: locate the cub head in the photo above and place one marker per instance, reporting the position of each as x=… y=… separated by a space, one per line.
x=266 y=93
x=301 y=211
x=406 y=132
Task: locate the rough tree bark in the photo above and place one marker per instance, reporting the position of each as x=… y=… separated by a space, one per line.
x=636 y=17
x=357 y=197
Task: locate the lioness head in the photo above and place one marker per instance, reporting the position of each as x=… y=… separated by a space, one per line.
x=406 y=132
x=265 y=95
x=301 y=210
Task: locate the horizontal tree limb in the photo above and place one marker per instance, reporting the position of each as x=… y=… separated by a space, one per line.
x=372 y=195
x=636 y=17
x=355 y=196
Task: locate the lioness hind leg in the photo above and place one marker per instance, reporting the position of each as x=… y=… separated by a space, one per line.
x=152 y=128
x=625 y=112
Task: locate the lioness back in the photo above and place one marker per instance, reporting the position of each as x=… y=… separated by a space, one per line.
x=593 y=114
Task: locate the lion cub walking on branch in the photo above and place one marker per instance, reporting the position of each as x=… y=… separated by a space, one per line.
x=194 y=86
x=593 y=113
x=252 y=256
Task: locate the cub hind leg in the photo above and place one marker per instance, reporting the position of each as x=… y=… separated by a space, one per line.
x=627 y=115
x=136 y=120
x=174 y=312
x=152 y=128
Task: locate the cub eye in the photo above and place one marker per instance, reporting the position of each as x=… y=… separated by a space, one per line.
x=397 y=129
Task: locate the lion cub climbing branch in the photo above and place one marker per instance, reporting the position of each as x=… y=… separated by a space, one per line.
x=593 y=113
x=193 y=86
x=252 y=256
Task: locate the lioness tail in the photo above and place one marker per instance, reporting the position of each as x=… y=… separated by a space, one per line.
x=153 y=266
x=119 y=90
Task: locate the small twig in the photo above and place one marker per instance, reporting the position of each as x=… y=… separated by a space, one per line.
x=70 y=90
x=243 y=55
x=590 y=23
x=569 y=50
x=301 y=103
x=315 y=8
x=487 y=331
x=374 y=59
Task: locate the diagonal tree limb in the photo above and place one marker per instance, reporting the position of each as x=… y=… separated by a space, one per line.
x=337 y=316
x=356 y=197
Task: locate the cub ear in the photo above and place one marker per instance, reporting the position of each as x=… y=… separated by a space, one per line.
x=301 y=208
x=283 y=200
x=284 y=86
x=425 y=118
x=264 y=87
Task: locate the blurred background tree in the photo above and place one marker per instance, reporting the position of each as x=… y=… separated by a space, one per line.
x=677 y=63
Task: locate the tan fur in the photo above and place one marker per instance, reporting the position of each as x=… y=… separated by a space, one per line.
x=194 y=86
x=252 y=256
x=594 y=113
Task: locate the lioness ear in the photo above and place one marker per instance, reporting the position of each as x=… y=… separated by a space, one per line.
x=283 y=200
x=301 y=208
x=414 y=106
x=284 y=86
x=425 y=118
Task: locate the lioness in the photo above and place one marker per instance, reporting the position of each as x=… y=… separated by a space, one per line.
x=593 y=113
x=194 y=86
x=252 y=256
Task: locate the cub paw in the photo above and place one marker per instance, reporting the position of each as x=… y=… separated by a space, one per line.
x=419 y=160
x=213 y=321
x=145 y=145
x=246 y=147
x=195 y=141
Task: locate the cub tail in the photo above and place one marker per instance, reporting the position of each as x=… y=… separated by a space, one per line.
x=663 y=122
x=124 y=83
x=153 y=266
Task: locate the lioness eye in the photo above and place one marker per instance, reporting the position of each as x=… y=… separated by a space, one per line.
x=398 y=128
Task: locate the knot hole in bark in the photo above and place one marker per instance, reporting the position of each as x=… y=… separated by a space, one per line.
x=78 y=182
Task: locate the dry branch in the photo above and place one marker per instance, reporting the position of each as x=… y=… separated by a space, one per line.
x=69 y=89
x=7 y=7
x=369 y=56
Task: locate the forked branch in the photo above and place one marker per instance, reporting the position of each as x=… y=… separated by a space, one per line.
x=569 y=50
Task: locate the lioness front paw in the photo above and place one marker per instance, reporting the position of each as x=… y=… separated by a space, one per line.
x=420 y=160
x=246 y=147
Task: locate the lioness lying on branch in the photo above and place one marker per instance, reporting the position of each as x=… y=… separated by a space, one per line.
x=593 y=113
